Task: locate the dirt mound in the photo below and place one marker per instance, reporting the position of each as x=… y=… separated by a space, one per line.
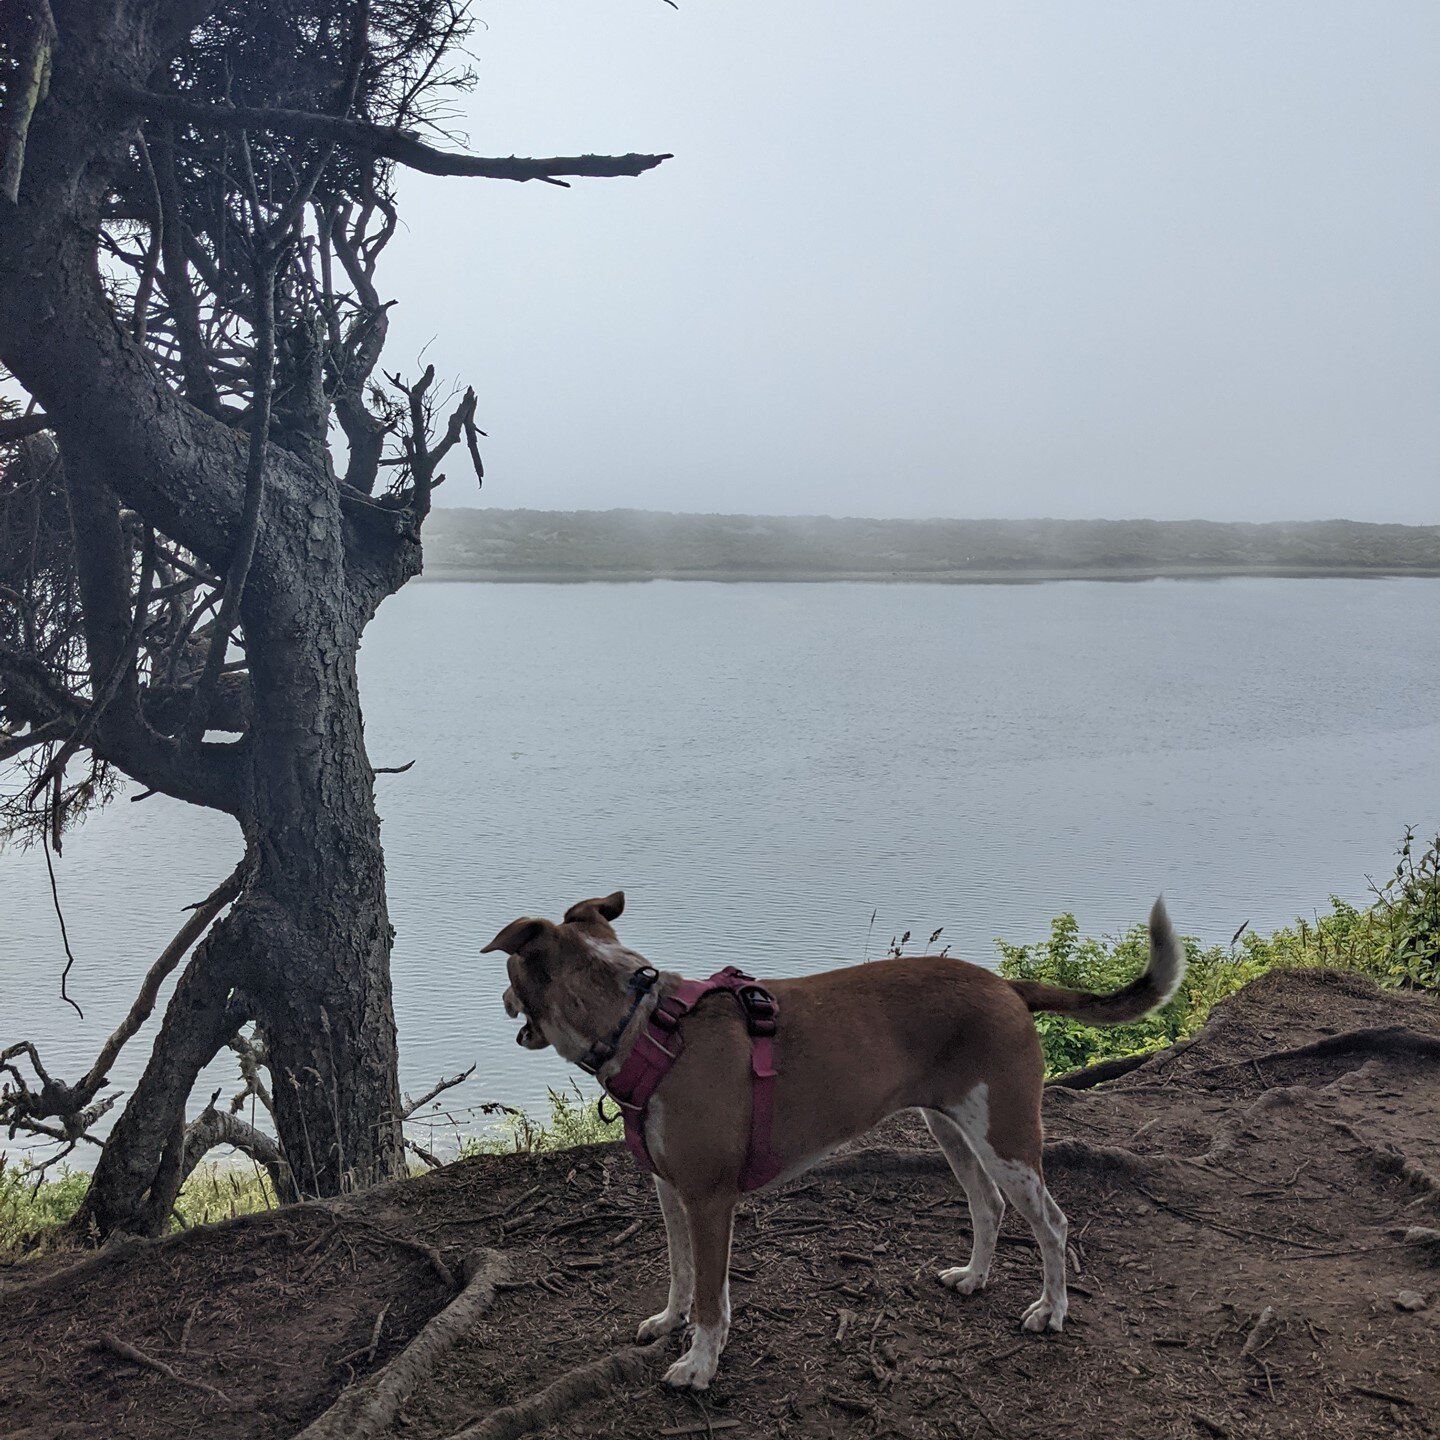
x=1248 y=1219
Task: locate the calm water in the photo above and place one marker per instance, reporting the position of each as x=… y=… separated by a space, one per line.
x=762 y=766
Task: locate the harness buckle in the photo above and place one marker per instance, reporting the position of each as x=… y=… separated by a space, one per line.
x=761 y=1011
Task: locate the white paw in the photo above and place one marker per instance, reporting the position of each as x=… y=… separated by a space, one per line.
x=658 y=1326
x=1045 y=1315
x=691 y=1372
x=963 y=1279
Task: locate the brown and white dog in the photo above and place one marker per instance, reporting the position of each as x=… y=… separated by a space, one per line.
x=854 y=1046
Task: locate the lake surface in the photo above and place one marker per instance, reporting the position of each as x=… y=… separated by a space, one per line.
x=762 y=766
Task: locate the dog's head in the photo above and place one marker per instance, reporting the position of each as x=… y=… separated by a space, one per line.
x=565 y=979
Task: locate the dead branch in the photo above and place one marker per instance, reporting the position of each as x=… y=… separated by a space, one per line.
x=368 y=1409
x=428 y=1253
x=12 y=745
x=432 y=1160
x=389 y=142
x=200 y=919
x=119 y=1347
x=75 y=1106
x=252 y=1055
x=411 y=1106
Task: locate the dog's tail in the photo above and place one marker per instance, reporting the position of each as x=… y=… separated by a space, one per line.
x=1149 y=990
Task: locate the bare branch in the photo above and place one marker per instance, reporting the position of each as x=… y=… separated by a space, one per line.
x=386 y=141
x=212 y=1127
x=411 y=1106
x=144 y=1003
x=146 y=286
x=12 y=745
x=244 y=551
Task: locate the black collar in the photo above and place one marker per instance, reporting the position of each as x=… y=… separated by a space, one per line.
x=601 y=1051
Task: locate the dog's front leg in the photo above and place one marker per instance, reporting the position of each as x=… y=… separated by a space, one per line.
x=682 y=1267
x=710 y=1220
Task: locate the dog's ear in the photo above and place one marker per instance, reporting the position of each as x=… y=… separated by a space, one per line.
x=607 y=908
x=517 y=935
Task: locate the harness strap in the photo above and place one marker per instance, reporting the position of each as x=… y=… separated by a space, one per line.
x=660 y=1044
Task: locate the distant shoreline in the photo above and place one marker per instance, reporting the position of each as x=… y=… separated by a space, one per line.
x=1017 y=575
x=633 y=546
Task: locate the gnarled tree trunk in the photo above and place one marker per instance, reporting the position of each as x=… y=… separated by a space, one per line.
x=194 y=199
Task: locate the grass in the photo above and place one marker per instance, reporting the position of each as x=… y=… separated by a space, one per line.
x=216 y=1191
x=1395 y=941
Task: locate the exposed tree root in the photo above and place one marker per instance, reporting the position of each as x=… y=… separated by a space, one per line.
x=368 y=1409
x=883 y=1160
x=1390 y=1160
x=1104 y=1070
x=1073 y=1154
x=1230 y=1130
x=1378 y=1042
x=1086 y=1155
x=572 y=1389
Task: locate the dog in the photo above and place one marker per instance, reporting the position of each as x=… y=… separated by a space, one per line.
x=851 y=1047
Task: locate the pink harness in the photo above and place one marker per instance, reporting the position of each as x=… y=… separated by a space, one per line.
x=659 y=1046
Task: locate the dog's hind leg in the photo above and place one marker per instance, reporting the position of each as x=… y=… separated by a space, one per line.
x=682 y=1267
x=710 y=1218
x=987 y=1205
x=1011 y=1157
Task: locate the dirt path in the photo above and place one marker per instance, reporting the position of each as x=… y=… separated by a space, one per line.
x=1239 y=1208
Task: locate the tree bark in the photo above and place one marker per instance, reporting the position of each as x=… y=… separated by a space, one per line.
x=323 y=997
x=130 y=1192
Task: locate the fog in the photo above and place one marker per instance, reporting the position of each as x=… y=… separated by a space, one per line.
x=1021 y=259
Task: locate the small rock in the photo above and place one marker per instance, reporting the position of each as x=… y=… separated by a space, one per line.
x=1410 y=1300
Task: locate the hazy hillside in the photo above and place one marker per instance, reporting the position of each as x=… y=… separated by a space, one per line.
x=640 y=544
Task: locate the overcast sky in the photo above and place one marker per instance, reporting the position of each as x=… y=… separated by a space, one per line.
x=948 y=258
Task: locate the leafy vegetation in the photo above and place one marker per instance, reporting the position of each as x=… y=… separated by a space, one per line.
x=574 y=1120
x=1395 y=941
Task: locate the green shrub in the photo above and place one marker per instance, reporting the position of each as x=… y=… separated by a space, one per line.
x=1395 y=941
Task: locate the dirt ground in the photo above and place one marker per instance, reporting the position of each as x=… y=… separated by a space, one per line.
x=1249 y=1214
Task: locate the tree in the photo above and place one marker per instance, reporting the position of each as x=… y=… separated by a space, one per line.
x=194 y=197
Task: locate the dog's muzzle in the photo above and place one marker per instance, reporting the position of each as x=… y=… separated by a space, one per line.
x=529 y=1036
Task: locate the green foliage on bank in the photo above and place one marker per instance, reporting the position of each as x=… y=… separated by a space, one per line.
x=216 y=1191
x=1395 y=941
x=574 y=1120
